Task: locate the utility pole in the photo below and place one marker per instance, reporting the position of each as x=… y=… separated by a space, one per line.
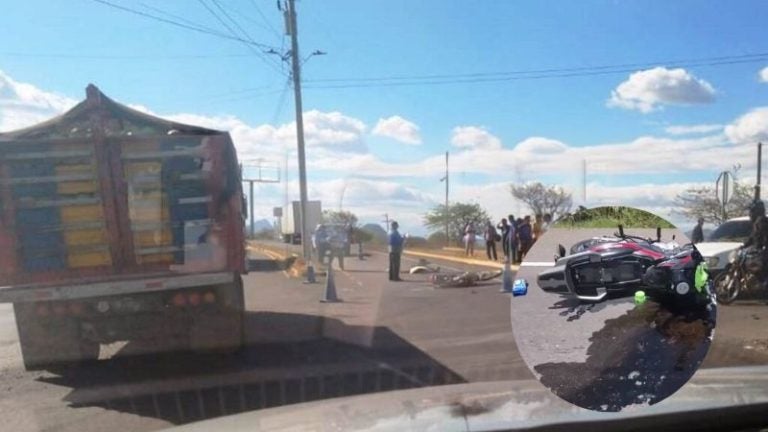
x=446 y=179
x=759 y=170
x=296 y=72
x=386 y=220
x=584 y=180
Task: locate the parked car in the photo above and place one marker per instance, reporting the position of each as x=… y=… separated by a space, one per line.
x=720 y=247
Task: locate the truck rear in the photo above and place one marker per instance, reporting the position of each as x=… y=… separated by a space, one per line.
x=291 y=220
x=119 y=226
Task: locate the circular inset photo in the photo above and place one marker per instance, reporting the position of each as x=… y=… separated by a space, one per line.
x=620 y=310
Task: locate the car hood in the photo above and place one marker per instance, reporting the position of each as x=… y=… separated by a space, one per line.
x=716 y=248
x=506 y=405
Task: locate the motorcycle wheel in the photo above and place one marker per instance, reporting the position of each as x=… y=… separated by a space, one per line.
x=727 y=286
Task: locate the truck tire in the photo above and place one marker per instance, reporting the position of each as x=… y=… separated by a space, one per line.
x=51 y=343
x=221 y=329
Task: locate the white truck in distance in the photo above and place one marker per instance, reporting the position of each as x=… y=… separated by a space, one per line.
x=291 y=221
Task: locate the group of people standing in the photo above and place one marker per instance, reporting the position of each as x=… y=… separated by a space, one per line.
x=516 y=236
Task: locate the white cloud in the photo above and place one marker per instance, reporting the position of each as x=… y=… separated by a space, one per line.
x=474 y=137
x=693 y=129
x=650 y=89
x=764 y=75
x=749 y=128
x=332 y=131
x=399 y=129
x=23 y=105
x=540 y=146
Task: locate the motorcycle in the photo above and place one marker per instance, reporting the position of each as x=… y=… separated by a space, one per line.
x=740 y=277
x=625 y=263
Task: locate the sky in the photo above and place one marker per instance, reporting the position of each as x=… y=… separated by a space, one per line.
x=655 y=96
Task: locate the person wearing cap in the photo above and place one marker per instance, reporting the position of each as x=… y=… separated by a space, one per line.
x=759 y=237
x=698 y=232
x=395 y=250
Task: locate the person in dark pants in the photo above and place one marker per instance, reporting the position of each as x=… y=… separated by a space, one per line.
x=525 y=234
x=490 y=241
x=395 y=250
x=514 y=240
x=698 y=232
x=758 y=239
x=504 y=228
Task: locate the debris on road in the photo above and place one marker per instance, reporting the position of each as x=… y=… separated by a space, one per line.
x=463 y=280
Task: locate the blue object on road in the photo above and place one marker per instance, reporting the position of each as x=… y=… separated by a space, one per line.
x=520 y=287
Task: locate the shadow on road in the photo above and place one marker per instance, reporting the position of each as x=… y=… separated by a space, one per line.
x=289 y=358
x=640 y=357
x=573 y=308
x=266 y=265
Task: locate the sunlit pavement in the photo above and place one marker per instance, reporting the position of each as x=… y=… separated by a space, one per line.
x=382 y=336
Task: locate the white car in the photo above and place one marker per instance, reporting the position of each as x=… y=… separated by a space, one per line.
x=719 y=248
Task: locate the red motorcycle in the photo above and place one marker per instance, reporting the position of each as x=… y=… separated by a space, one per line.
x=622 y=264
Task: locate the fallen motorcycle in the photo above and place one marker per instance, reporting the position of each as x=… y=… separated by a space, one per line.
x=622 y=264
x=740 y=278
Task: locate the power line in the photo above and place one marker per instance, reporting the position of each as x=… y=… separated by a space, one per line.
x=247 y=39
x=176 y=17
x=266 y=21
x=237 y=25
x=501 y=77
x=554 y=72
x=232 y=20
x=196 y=28
x=120 y=57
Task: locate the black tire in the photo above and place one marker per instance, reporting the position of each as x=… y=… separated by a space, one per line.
x=51 y=344
x=727 y=286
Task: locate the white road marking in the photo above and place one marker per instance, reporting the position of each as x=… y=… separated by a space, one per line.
x=537 y=264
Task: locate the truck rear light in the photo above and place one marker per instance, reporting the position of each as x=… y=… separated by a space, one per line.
x=75 y=308
x=42 y=309
x=209 y=297
x=59 y=309
x=103 y=306
x=179 y=300
x=194 y=299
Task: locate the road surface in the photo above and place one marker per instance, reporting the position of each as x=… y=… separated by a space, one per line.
x=609 y=355
x=383 y=336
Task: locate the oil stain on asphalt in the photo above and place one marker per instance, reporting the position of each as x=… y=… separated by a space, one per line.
x=641 y=357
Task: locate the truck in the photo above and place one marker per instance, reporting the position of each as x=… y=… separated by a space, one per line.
x=120 y=226
x=291 y=225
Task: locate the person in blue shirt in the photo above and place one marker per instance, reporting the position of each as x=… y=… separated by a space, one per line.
x=395 y=250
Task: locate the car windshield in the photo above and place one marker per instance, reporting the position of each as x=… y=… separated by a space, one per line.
x=222 y=207
x=731 y=231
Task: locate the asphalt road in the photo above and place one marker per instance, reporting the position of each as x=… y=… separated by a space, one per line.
x=382 y=336
x=609 y=355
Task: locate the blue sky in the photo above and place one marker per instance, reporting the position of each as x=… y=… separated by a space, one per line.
x=58 y=47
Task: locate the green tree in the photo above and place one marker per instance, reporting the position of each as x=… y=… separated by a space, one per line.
x=542 y=199
x=702 y=202
x=343 y=217
x=456 y=217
